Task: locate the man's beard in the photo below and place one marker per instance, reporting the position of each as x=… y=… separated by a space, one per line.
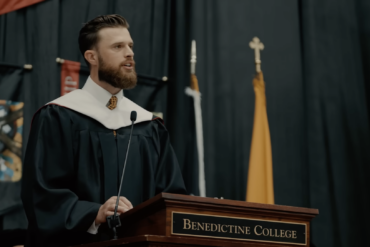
x=115 y=76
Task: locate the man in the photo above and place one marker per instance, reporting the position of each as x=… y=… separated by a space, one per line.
x=77 y=147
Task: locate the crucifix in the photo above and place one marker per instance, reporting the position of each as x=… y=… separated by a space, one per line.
x=257 y=46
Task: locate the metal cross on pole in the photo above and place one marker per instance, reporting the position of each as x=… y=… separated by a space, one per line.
x=193 y=60
x=257 y=46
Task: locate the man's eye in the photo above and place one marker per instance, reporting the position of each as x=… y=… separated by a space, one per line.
x=118 y=46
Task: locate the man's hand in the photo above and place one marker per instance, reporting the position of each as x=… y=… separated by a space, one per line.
x=107 y=208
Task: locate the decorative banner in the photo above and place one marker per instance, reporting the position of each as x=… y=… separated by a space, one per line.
x=12 y=88
x=11 y=5
x=70 y=75
x=11 y=128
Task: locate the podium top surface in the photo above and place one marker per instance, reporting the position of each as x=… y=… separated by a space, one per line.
x=207 y=203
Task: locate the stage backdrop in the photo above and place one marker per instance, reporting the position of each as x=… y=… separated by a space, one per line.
x=316 y=69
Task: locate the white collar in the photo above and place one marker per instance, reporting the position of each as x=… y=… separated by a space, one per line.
x=99 y=93
x=91 y=101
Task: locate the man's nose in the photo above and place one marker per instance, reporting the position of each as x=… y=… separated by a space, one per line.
x=129 y=52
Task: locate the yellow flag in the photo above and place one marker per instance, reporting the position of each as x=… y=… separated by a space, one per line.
x=260 y=187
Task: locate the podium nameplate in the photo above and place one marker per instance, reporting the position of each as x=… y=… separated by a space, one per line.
x=212 y=226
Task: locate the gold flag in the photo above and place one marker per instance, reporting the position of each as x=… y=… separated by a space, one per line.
x=260 y=187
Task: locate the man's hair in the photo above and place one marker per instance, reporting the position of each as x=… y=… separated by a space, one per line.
x=89 y=37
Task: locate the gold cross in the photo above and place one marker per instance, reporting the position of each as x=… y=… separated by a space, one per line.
x=257 y=46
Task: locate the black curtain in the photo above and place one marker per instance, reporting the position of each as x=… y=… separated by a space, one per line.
x=363 y=28
x=225 y=69
x=336 y=55
x=316 y=68
x=181 y=121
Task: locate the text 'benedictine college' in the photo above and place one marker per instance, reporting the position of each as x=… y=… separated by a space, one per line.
x=238 y=228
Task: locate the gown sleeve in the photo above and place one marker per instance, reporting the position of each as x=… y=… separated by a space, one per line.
x=52 y=208
x=168 y=174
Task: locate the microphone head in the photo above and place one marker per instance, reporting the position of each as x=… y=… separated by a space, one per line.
x=133 y=116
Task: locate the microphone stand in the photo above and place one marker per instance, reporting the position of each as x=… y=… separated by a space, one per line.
x=113 y=220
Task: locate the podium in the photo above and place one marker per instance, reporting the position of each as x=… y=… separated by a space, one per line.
x=181 y=220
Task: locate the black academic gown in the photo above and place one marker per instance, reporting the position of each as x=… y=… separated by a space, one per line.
x=73 y=164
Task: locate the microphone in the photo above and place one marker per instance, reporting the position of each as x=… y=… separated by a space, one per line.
x=133 y=116
x=113 y=220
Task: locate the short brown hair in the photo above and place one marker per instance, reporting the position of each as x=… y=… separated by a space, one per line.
x=89 y=37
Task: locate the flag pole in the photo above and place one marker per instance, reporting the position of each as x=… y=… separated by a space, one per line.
x=194 y=92
x=260 y=186
x=59 y=60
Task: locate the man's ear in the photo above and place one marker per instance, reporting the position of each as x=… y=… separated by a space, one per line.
x=91 y=57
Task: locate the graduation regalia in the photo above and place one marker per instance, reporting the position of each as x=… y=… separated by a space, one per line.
x=74 y=162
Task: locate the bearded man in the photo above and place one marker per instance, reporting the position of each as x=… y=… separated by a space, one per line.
x=77 y=145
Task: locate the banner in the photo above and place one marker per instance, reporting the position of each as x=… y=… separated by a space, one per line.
x=7 y=6
x=11 y=139
x=11 y=128
x=70 y=76
x=260 y=185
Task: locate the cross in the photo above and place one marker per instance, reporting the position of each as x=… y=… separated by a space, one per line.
x=193 y=60
x=257 y=46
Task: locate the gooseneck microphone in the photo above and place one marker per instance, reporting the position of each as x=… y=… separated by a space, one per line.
x=113 y=220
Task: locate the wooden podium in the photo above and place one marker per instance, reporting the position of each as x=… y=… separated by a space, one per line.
x=180 y=220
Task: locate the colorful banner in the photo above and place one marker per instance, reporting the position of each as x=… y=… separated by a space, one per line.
x=11 y=141
x=70 y=76
x=11 y=128
x=7 y=6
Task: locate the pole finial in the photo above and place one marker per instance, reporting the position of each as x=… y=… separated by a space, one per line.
x=257 y=46
x=193 y=57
